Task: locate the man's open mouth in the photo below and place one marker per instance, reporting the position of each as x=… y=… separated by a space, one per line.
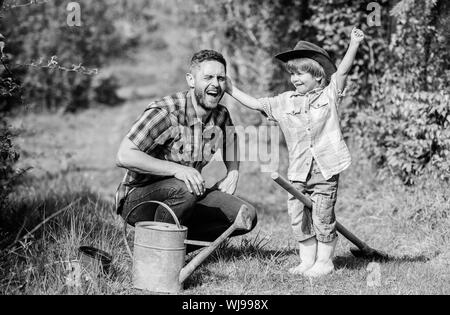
x=213 y=93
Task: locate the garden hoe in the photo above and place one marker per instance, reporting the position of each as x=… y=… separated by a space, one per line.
x=363 y=250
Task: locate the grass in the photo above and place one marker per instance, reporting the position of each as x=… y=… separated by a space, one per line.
x=73 y=167
x=410 y=223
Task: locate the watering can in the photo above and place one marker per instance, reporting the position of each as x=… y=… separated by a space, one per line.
x=160 y=250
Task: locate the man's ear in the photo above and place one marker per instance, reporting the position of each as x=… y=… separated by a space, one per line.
x=190 y=80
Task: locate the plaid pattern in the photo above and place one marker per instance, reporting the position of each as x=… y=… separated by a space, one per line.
x=310 y=124
x=169 y=129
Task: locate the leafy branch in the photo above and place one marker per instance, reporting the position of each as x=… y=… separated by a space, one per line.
x=2 y=55
x=53 y=64
x=9 y=87
x=17 y=4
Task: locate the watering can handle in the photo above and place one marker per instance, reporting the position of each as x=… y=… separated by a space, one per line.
x=177 y=222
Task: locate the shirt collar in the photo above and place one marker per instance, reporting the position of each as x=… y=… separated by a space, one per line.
x=191 y=113
x=316 y=91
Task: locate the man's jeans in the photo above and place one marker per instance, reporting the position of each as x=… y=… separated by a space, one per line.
x=206 y=217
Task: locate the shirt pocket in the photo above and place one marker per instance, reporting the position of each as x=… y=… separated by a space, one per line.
x=293 y=127
x=321 y=108
x=293 y=115
x=322 y=101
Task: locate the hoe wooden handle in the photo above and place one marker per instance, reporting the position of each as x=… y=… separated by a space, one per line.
x=243 y=221
x=308 y=203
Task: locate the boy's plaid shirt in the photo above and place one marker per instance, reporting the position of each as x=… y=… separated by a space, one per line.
x=310 y=124
x=170 y=130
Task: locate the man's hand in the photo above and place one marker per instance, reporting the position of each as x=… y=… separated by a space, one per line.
x=229 y=184
x=192 y=178
x=357 y=35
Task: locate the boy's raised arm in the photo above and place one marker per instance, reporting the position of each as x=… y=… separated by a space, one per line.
x=344 y=68
x=245 y=99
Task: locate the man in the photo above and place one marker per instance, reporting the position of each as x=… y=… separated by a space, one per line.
x=166 y=149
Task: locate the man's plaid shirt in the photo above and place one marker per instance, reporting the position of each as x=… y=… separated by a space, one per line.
x=169 y=129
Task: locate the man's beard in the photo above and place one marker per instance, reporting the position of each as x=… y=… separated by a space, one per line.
x=205 y=100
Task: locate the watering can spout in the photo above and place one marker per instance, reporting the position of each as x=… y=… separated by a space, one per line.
x=244 y=221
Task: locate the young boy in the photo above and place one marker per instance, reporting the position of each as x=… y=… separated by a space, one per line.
x=309 y=120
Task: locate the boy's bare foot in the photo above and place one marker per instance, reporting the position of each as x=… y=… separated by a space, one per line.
x=300 y=269
x=320 y=269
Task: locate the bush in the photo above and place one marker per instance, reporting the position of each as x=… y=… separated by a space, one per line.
x=405 y=124
x=110 y=29
x=10 y=92
x=105 y=90
x=408 y=133
x=8 y=157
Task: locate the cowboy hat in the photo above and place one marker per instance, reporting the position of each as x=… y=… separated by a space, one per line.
x=305 y=49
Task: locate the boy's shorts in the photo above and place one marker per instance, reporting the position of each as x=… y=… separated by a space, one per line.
x=321 y=223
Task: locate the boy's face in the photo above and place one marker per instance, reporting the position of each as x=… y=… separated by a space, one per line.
x=304 y=81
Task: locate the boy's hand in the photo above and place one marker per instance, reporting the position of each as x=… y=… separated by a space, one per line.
x=244 y=99
x=357 y=35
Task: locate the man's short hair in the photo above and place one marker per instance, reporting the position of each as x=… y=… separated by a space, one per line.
x=207 y=55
